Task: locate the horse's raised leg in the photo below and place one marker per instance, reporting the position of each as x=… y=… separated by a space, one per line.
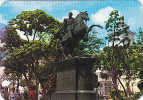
x=85 y=31
x=85 y=38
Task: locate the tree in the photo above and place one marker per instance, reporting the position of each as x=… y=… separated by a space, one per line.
x=112 y=56
x=113 y=26
x=139 y=46
x=35 y=23
x=128 y=62
x=119 y=57
x=29 y=57
x=117 y=28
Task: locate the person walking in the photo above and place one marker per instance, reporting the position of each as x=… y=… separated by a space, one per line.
x=12 y=95
x=32 y=94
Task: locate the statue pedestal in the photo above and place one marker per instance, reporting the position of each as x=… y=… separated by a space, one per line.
x=74 y=80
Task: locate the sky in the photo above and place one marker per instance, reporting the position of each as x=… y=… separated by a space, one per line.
x=98 y=10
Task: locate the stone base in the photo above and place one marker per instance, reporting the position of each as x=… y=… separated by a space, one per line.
x=71 y=95
x=74 y=80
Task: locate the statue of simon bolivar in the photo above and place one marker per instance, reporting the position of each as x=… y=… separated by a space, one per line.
x=68 y=26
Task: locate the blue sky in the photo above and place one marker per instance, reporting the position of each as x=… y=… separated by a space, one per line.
x=98 y=10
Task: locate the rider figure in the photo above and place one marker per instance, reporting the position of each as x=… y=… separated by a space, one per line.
x=68 y=26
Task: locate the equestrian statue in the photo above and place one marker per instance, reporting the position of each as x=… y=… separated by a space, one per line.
x=72 y=31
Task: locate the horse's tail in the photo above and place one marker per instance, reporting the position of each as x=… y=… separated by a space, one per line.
x=85 y=38
x=90 y=28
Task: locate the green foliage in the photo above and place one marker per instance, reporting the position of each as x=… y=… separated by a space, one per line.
x=128 y=59
x=136 y=96
x=12 y=39
x=104 y=76
x=34 y=58
x=119 y=59
x=31 y=58
x=105 y=58
x=27 y=55
x=91 y=47
x=35 y=23
x=117 y=27
x=116 y=93
x=140 y=75
x=139 y=39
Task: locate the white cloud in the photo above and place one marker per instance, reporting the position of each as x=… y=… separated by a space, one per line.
x=2 y=20
x=141 y=2
x=75 y=13
x=102 y=15
x=1 y=2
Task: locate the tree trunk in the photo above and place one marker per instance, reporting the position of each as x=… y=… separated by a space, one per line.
x=128 y=88
x=114 y=80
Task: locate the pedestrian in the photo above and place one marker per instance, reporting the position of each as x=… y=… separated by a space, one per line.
x=25 y=95
x=12 y=95
x=6 y=93
x=32 y=94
